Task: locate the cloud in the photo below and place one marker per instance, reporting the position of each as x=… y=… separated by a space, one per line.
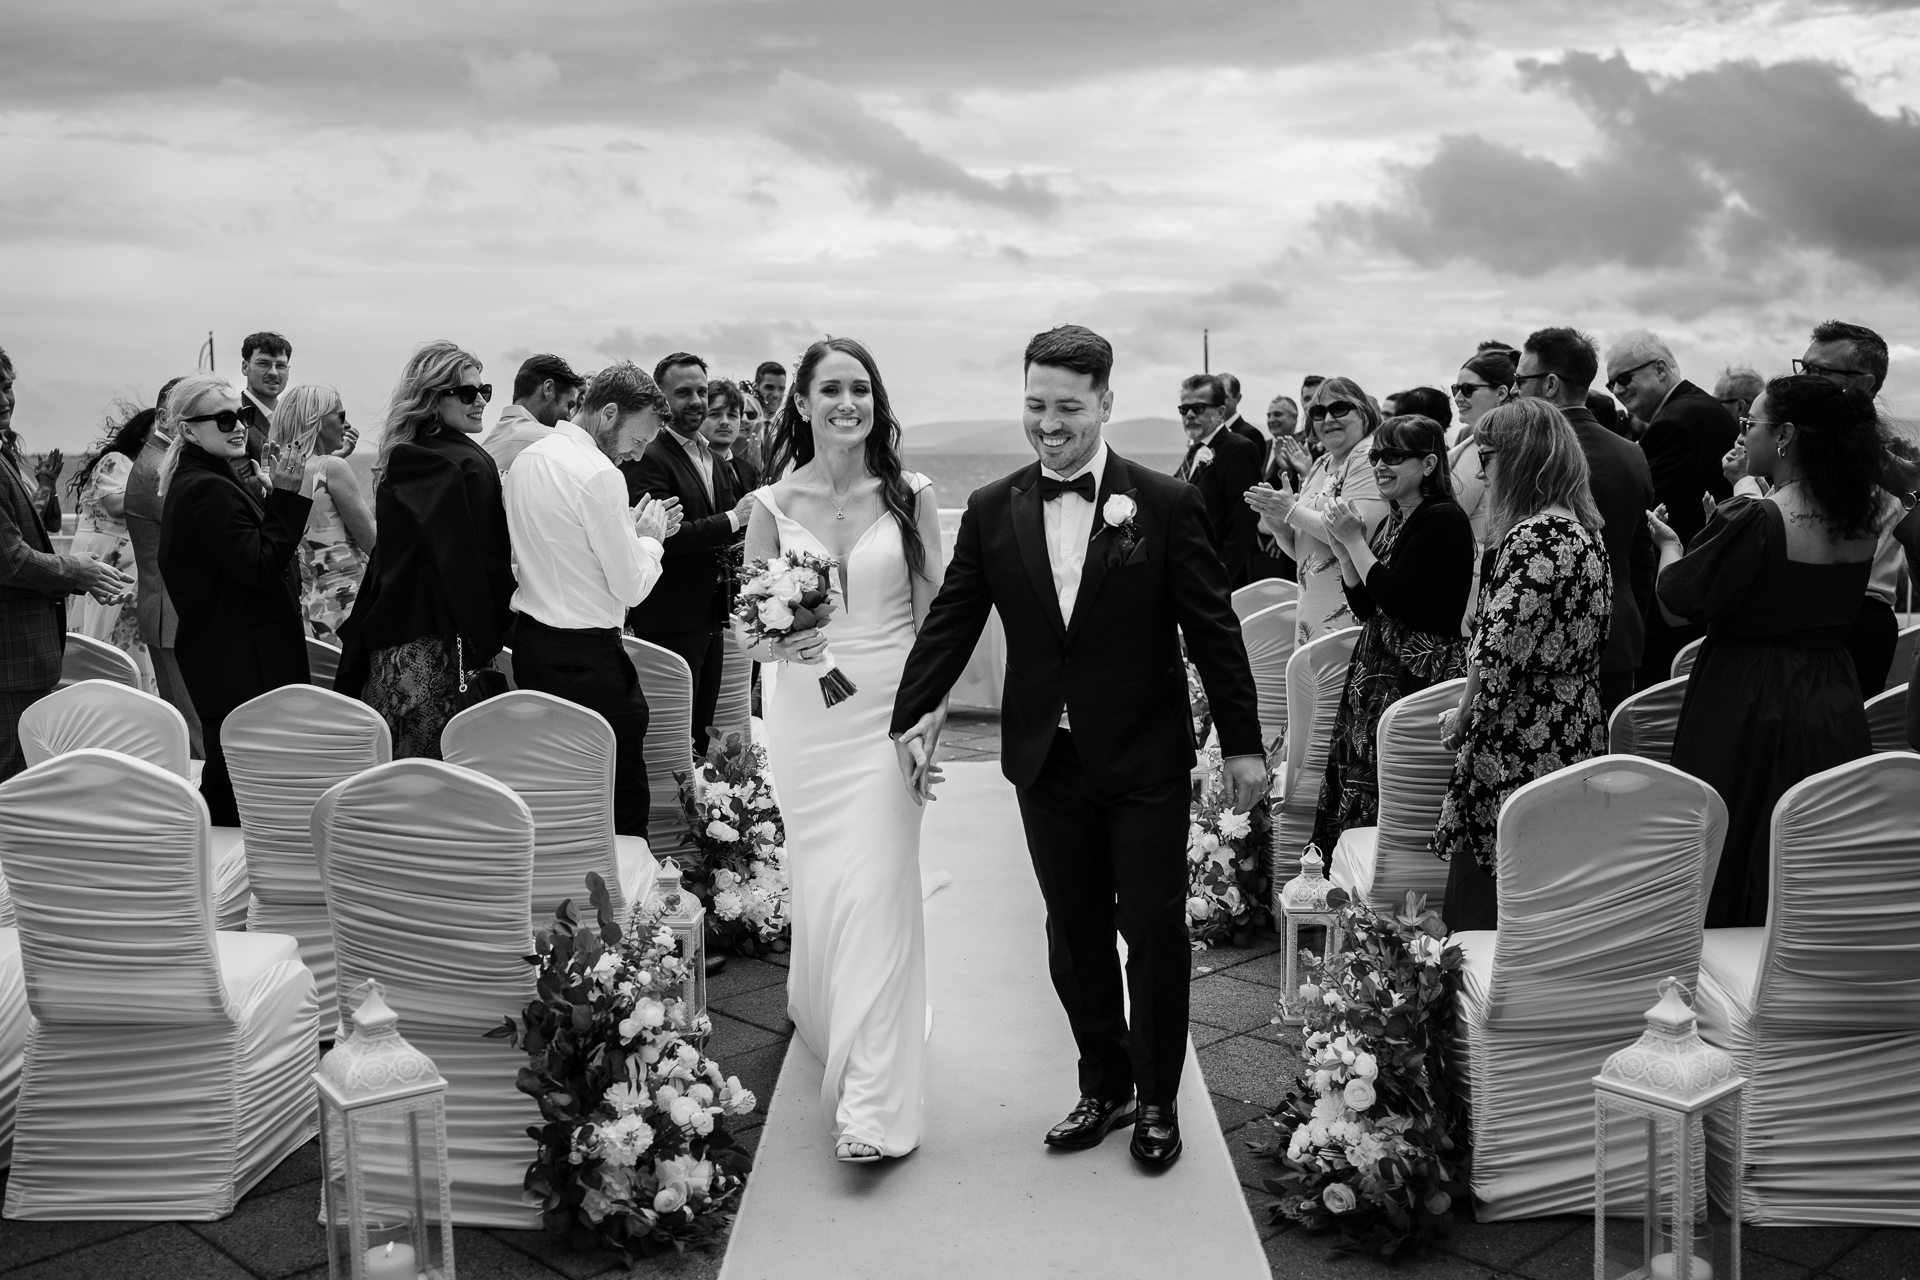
x=1697 y=169
x=726 y=347
x=826 y=125
x=527 y=71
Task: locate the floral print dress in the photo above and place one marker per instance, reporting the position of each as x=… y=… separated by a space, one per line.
x=1544 y=615
x=330 y=568
x=101 y=533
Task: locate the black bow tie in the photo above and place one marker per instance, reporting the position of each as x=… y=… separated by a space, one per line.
x=1082 y=485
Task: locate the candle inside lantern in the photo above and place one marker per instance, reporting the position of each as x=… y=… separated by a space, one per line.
x=1666 y=1266
x=391 y=1261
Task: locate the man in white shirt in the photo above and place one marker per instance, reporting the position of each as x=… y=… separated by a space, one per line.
x=584 y=557
x=545 y=391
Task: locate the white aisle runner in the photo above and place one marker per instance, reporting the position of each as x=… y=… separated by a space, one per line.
x=982 y=1196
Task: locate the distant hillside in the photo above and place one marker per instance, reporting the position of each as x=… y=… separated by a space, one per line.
x=1135 y=435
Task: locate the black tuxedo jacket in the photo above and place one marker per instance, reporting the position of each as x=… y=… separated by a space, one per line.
x=1223 y=484
x=1623 y=490
x=690 y=595
x=1683 y=445
x=1116 y=669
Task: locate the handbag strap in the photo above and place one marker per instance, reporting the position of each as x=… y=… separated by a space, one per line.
x=460 y=660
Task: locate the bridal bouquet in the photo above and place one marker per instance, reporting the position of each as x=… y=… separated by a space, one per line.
x=739 y=863
x=787 y=593
x=1227 y=881
x=1366 y=1137
x=634 y=1152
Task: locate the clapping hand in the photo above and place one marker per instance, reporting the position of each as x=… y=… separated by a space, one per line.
x=46 y=469
x=1663 y=534
x=1343 y=520
x=674 y=515
x=650 y=519
x=1294 y=454
x=1272 y=504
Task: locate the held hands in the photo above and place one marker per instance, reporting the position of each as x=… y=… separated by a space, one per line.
x=1246 y=779
x=804 y=646
x=915 y=751
x=650 y=519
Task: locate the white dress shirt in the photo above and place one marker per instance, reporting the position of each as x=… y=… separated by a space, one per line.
x=580 y=564
x=696 y=448
x=1069 y=524
x=508 y=438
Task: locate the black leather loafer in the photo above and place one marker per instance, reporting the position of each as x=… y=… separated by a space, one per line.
x=1089 y=1122
x=1156 y=1135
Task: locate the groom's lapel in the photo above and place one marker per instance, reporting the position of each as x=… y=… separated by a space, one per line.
x=1093 y=570
x=1030 y=531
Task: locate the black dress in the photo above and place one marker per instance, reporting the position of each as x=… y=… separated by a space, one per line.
x=1773 y=697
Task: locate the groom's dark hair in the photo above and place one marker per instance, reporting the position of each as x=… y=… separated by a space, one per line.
x=1074 y=347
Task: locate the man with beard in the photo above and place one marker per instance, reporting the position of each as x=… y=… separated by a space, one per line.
x=545 y=392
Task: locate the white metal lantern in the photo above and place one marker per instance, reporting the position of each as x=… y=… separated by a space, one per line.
x=1303 y=904
x=383 y=1145
x=1664 y=1086
x=683 y=913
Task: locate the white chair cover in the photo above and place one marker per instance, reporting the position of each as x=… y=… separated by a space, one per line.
x=169 y=1065
x=13 y=1036
x=1821 y=1008
x=733 y=713
x=1603 y=871
x=88 y=659
x=1904 y=649
x=1316 y=677
x=668 y=686
x=1382 y=864
x=323 y=661
x=1269 y=639
x=1646 y=723
x=429 y=872
x=558 y=757
x=115 y=717
x=1683 y=661
x=284 y=749
x=1264 y=594
x=1887 y=719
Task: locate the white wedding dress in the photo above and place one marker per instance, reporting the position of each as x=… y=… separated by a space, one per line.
x=857 y=986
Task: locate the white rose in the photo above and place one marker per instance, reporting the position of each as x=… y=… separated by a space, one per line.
x=1358 y=1094
x=1203 y=457
x=1339 y=1197
x=1235 y=825
x=1119 y=509
x=722 y=831
x=683 y=1110
x=1199 y=908
x=775 y=615
x=1209 y=842
x=702 y=1122
x=671 y=1198
x=1365 y=1067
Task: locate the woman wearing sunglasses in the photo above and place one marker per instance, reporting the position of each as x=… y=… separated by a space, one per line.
x=1343 y=417
x=1408 y=586
x=1483 y=384
x=227 y=558
x=435 y=601
x=339 y=536
x=1532 y=701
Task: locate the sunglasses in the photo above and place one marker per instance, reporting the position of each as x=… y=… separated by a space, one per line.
x=1338 y=409
x=227 y=421
x=1465 y=390
x=1748 y=423
x=467 y=395
x=1191 y=410
x=1486 y=456
x=1827 y=371
x=1625 y=376
x=1393 y=457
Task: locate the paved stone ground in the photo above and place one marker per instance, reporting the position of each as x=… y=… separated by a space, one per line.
x=273 y=1234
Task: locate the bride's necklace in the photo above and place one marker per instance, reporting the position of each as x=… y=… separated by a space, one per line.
x=839 y=503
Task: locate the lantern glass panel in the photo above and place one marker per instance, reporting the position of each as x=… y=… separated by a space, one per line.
x=1656 y=1222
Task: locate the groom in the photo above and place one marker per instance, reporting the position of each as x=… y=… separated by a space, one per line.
x=1098 y=568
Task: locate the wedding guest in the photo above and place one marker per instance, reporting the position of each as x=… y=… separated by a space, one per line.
x=1427 y=402
x=1687 y=433
x=436 y=598
x=545 y=391
x=228 y=560
x=34 y=585
x=100 y=490
x=1778 y=582
x=724 y=429
x=686 y=611
x=266 y=358
x=1230 y=418
x=1559 y=365
x=1532 y=701
x=1344 y=418
x=1736 y=389
x=153 y=610
x=770 y=380
x=1407 y=586
x=1222 y=466
x=339 y=535
x=750 y=447
x=1484 y=383
x=1286 y=457
x=584 y=558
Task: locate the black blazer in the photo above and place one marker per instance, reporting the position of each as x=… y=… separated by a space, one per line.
x=1223 y=484
x=228 y=562
x=1116 y=670
x=1683 y=446
x=690 y=595
x=1623 y=490
x=1427 y=575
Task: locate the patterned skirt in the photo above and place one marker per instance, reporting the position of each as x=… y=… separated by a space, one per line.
x=1390 y=661
x=330 y=574
x=413 y=686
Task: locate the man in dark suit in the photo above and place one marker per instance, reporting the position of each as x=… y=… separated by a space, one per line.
x=1559 y=365
x=1098 y=568
x=1687 y=433
x=1230 y=417
x=34 y=586
x=686 y=610
x=1222 y=466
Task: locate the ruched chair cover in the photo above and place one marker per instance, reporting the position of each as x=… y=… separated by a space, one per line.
x=1382 y=864
x=1646 y=723
x=323 y=662
x=429 y=875
x=115 y=717
x=1264 y=594
x=557 y=756
x=1316 y=677
x=668 y=686
x=1821 y=1008
x=88 y=659
x=284 y=749
x=1269 y=638
x=1887 y=719
x=1603 y=870
x=1904 y=649
x=169 y=1064
x=1683 y=661
x=13 y=1036
x=733 y=713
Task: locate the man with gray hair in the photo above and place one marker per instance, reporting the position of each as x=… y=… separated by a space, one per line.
x=1222 y=466
x=1688 y=432
x=1738 y=387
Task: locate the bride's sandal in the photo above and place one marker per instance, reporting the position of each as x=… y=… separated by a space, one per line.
x=851 y=1152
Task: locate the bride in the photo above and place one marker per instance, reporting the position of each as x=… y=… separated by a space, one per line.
x=857 y=985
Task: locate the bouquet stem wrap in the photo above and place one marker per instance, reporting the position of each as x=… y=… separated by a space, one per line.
x=835 y=688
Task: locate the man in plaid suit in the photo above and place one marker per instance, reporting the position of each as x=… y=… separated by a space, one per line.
x=34 y=586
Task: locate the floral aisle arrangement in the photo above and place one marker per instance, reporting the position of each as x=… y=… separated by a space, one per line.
x=1227 y=877
x=739 y=845
x=787 y=593
x=634 y=1152
x=1199 y=708
x=1370 y=1136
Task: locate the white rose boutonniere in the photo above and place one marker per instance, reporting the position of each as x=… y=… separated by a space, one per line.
x=1203 y=457
x=1117 y=513
x=1119 y=509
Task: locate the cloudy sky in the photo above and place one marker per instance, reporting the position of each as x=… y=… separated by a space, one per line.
x=1333 y=187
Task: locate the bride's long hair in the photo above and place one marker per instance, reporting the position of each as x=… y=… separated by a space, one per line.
x=793 y=441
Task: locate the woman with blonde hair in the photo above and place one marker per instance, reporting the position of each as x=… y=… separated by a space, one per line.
x=1532 y=701
x=339 y=536
x=435 y=601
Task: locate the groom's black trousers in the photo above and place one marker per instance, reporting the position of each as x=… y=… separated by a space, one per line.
x=1107 y=861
